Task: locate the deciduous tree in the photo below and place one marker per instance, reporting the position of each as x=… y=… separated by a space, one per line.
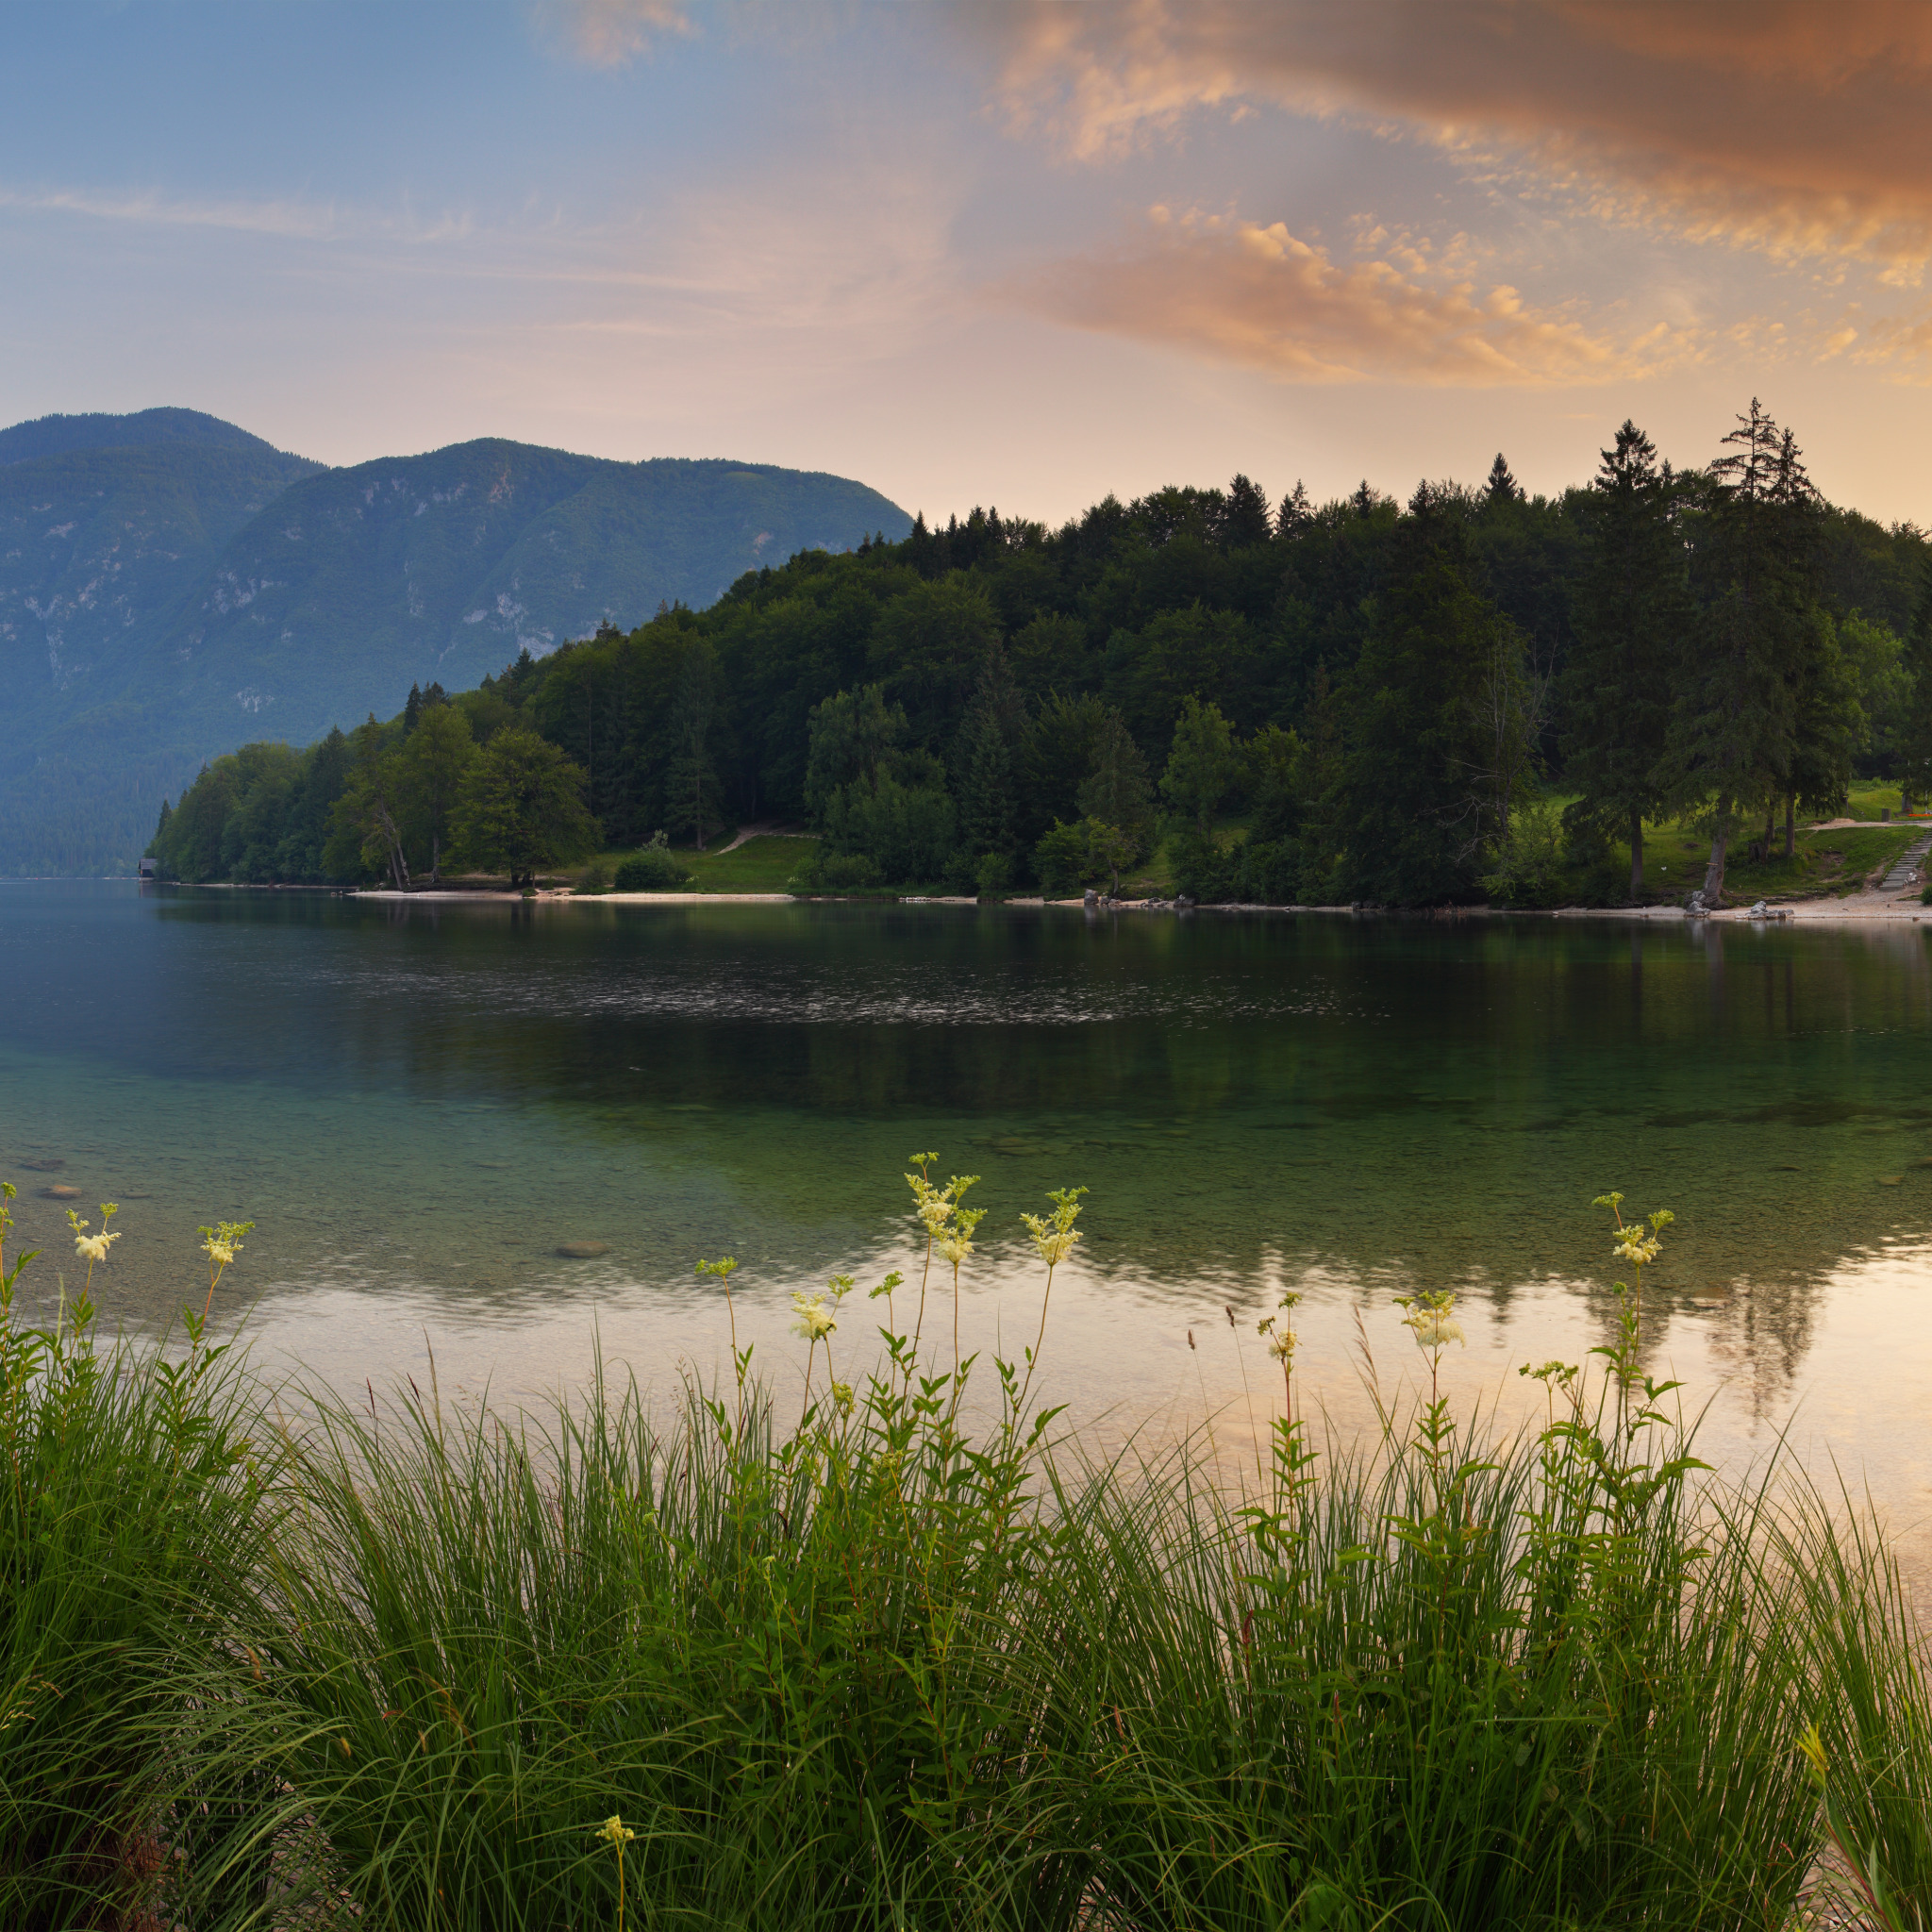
x=433 y=764
x=1200 y=765
x=521 y=808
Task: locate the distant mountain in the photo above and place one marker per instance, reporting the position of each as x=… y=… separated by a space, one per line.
x=58 y=436
x=444 y=566
x=165 y=598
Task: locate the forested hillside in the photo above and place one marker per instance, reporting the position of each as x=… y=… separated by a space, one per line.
x=436 y=567
x=169 y=583
x=58 y=436
x=1415 y=703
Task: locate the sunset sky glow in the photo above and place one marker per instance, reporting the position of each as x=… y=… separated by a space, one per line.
x=982 y=252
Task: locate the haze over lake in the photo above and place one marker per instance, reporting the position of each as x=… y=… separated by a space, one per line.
x=419 y=1105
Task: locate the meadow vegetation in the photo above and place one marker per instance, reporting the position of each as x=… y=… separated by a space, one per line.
x=893 y=1651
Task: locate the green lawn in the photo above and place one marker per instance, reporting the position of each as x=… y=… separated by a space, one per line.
x=762 y=864
x=1826 y=863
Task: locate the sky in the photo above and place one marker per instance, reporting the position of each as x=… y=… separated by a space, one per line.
x=973 y=252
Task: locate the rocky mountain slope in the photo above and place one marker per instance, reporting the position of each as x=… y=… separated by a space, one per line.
x=168 y=595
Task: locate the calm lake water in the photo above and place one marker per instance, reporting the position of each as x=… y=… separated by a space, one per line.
x=418 y=1105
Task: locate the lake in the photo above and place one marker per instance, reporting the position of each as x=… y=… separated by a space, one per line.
x=418 y=1105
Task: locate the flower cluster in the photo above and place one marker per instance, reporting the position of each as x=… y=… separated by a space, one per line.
x=94 y=1247
x=816 y=1319
x=1054 y=1235
x=1431 y=1318
x=1274 y=1331
x=223 y=1242
x=957 y=1243
x=938 y=1208
x=1636 y=1247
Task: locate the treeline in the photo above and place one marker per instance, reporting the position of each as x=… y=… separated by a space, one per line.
x=449 y=776
x=1357 y=700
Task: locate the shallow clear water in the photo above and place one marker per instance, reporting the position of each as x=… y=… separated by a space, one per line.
x=417 y=1105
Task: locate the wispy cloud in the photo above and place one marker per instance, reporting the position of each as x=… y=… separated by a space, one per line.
x=1783 y=125
x=1898 y=346
x=1264 y=298
x=610 y=33
x=301 y=221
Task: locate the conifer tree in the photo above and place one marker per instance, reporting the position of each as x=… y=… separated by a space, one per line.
x=1632 y=615
x=1828 y=729
x=690 y=777
x=1318 y=779
x=1118 y=788
x=1244 y=517
x=985 y=760
x=1414 y=821
x=1915 y=737
x=1296 y=514
x=1502 y=486
x=1734 y=722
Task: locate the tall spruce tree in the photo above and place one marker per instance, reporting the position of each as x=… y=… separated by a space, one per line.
x=1632 y=615
x=986 y=759
x=1118 y=787
x=1244 y=520
x=690 y=776
x=1734 y=722
x=1915 y=736
x=1413 y=824
x=1828 y=728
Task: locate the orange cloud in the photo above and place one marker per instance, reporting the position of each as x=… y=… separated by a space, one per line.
x=1786 y=125
x=1901 y=345
x=1263 y=298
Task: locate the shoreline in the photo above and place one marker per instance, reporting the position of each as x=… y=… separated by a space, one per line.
x=1855 y=909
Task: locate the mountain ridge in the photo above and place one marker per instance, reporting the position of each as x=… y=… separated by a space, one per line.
x=61 y=435
x=162 y=601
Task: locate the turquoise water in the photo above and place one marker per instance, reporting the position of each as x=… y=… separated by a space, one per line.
x=418 y=1105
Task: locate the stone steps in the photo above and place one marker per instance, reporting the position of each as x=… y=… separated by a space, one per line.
x=1900 y=877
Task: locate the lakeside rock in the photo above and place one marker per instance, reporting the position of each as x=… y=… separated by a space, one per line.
x=59 y=1193
x=582 y=1251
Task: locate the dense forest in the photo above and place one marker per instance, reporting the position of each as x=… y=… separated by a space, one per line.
x=1475 y=694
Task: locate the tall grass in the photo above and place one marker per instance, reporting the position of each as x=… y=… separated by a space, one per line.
x=132 y=1493
x=871 y=1669
x=1445 y=1687
x=785 y=1665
